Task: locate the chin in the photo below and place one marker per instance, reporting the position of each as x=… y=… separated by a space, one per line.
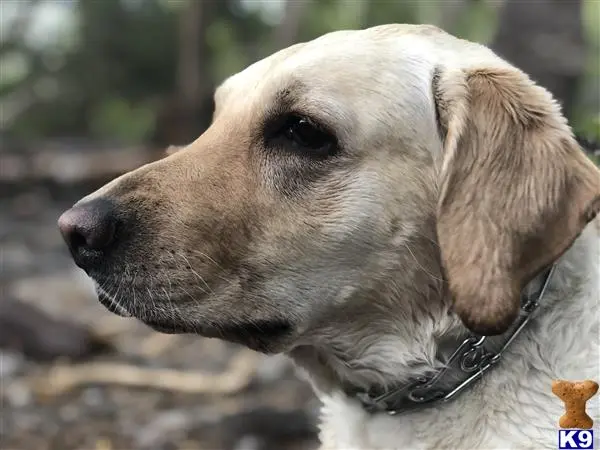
x=265 y=336
x=262 y=334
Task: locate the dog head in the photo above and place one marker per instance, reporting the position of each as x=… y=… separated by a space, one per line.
x=361 y=173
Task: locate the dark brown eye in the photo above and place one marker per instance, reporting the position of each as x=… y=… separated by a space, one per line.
x=304 y=135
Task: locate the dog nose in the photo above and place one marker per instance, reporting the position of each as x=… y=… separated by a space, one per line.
x=89 y=230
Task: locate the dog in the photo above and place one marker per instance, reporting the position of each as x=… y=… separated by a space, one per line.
x=364 y=202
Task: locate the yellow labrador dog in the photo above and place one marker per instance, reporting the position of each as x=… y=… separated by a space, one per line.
x=396 y=209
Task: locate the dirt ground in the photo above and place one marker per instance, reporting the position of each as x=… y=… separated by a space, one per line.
x=215 y=395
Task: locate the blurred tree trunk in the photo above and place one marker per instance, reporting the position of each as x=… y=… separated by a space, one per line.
x=287 y=32
x=544 y=38
x=191 y=32
x=184 y=116
x=190 y=79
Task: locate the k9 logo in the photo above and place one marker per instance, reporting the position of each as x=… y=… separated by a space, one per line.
x=575 y=439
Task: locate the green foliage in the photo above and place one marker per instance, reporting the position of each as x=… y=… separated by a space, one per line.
x=589 y=127
x=587 y=118
x=478 y=23
x=122 y=120
x=115 y=65
x=117 y=57
x=219 y=35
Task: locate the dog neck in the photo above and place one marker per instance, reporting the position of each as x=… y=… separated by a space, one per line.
x=463 y=362
x=387 y=350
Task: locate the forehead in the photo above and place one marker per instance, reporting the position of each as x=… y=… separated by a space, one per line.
x=350 y=77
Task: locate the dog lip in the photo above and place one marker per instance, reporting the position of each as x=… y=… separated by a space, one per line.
x=111 y=304
x=165 y=328
x=265 y=336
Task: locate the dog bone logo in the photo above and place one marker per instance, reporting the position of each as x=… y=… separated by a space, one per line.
x=575 y=394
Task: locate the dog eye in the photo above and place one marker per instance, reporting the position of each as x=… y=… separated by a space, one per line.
x=304 y=135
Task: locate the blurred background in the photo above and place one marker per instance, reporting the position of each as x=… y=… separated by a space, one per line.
x=90 y=89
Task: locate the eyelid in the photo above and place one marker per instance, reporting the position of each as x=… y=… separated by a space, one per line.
x=317 y=122
x=277 y=119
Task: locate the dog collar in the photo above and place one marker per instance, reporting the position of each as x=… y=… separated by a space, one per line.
x=471 y=358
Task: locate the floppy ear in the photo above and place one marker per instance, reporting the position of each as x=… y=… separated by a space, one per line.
x=516 y=190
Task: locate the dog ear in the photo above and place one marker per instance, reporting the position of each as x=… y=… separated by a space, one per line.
x=516 y=190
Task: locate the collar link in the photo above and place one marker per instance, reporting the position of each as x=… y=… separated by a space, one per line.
x=468 y=363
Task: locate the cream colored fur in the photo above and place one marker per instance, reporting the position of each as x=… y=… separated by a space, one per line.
x=457 y=180
x=512 y=407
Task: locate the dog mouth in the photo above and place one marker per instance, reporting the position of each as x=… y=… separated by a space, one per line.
x=111 y=303
x=162 y=326
x=264 y=334
x=167 y=327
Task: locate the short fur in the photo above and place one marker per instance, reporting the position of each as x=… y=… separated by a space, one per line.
x=457 y=180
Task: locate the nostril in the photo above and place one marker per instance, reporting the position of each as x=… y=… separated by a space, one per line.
x=89 y=226
x=100 y=235
x=77 y=240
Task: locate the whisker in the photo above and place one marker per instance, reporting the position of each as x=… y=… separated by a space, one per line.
x=150 y=311
x=217 y=265
x=182 y=268
x=113 y=301
x=189 y=267
x=420 y=266
x=134 y=300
